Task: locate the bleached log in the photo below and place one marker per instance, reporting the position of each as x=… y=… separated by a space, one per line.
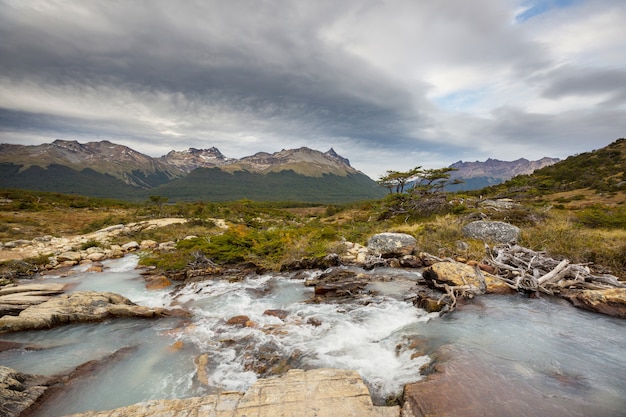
x=554 y=274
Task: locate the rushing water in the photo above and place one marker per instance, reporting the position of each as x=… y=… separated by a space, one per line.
x=547 y=344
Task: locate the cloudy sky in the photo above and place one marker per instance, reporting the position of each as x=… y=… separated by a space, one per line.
x=389 y=84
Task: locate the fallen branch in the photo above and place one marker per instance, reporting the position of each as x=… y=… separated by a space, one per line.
x=526 y=270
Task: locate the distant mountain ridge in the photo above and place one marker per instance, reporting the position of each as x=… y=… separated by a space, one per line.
x=122 y=162
x=105 y=169
x=477 y=175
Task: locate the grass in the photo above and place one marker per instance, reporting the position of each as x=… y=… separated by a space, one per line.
x=273 y=235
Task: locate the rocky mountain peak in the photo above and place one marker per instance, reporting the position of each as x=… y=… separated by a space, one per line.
x=193 y=158
x=334 y=155
x=303 y=161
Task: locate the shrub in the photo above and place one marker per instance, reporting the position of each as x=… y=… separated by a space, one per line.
x=603 y=217
x=91 y=243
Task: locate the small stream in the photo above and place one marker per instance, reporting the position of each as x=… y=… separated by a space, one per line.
x=546 y=344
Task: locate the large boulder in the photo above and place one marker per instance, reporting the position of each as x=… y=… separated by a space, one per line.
x=499 y=232
x=457 y=273
x=391 y=244
x=19 y=391
x=82 y=306
x=610 y=301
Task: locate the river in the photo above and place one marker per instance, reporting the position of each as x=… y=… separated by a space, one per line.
x=558 y=350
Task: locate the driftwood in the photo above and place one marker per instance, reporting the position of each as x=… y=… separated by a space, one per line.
x=526 y=270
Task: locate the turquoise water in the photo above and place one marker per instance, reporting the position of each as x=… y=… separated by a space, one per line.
x=547 y=347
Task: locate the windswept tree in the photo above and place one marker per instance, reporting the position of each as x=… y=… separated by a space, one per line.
x=425 y=194
x=433 y=181
x=396 y=181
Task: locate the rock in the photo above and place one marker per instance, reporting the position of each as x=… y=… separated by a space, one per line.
x=281 y=314
x=338 y=283
x=240 y=321
x=362 y=256
x=176 y=346
x=392 y=244
x=17 y=243
x=463 y=385
x=500 y=232
x=317 y=392
x=148 y=244
x=502 y=203
x=456 y=273
x=19 y=391
x=428 y=301
x=201 y=362
x=82 y=306
x=115 y=251
x=130 y=246
x=610 y=301
x=48 y=288
x=96 y=267
x=158 y=282
x=16 y=298
x=96 y=256
x=70 y=256
x=167 y=246
x=410 y=261
x=314 y=322
x=114 y=228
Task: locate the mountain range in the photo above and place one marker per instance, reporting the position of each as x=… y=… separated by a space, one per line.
x=106 y=169
x=477 y=175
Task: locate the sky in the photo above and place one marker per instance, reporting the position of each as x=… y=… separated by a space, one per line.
x=389 y=84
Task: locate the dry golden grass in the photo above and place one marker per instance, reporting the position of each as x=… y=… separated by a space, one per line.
x=442 y=236
x=25 y=224
x=561 y=237
x=577 y=199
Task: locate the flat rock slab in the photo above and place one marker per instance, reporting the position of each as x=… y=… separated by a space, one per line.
x=465 y=386
x=298 y=393
x=50 y=288
x=610 y=301
x=80 y=306
x=15 y=298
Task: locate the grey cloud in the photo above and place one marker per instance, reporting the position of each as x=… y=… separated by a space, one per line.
x=570 y=81
x=561 y=134
x=273 y=74
x=268 y=61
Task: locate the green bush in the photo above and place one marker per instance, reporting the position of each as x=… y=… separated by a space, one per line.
x=601 y=217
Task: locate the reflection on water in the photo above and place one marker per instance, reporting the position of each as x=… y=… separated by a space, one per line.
x=544 y=344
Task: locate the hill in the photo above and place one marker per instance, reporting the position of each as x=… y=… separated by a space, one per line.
x=599 y=171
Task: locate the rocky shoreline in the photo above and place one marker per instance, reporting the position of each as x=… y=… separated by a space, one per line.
x=35 y=306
